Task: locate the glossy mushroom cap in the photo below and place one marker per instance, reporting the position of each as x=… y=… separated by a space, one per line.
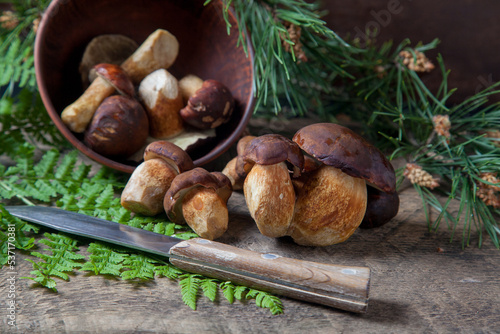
x=209 y=107
x=190 y=180
x=116 y=77
x=171 y=153
x=381 y=208
x=342 y=148
x=119 y=127
x=271 y=149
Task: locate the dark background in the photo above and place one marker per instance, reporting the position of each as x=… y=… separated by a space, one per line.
x=468 y=31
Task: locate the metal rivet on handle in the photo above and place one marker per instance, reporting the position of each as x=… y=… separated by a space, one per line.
x=270 y=256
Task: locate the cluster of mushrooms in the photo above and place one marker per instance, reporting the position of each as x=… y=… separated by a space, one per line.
x=132 y=100
x=168 y=181
x=317 y=188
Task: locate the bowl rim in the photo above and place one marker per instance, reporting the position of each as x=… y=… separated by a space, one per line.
x=217 y=151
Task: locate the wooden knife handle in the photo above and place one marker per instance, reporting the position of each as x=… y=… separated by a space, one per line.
x=341 y=287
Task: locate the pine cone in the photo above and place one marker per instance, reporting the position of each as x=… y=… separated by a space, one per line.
x=420 y=64
x=417 y=175
x=489 y=194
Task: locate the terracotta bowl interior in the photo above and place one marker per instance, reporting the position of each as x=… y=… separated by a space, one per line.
x=205 y=50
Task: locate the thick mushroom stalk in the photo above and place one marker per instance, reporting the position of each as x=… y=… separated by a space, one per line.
x=268 y=188
x=330 y=206
x=199 y=198
x=230 y=170
x=148 y=184
x=332 y=200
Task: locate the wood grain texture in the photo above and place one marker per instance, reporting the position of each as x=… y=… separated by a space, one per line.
x=415 y=288
x=341 y=287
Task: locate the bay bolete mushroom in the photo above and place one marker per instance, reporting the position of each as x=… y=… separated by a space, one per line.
x=199 y=198
x=107 y=48
x=268 y=188
x=119 y=127
x=148 y=184
x=159 y=91
x=332 y=201
x=209 y=107
x=110 y=78
x=237 y=177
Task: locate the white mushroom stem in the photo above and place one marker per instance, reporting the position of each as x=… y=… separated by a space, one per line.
x=205 y=212
x=161 y=96
x=147 y=187
x=270 y=198
x=159 y=50
x=77 y=115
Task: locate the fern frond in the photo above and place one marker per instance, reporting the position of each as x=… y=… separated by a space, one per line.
x=266 y=300
x=168 y=271
x=13 y=234
x=228 y=291
x=190 y=286
x=104 y=260
x=209 y=287
x=138 y=266
x=61 y=258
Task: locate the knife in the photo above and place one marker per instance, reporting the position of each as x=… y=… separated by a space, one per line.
x=337 y=286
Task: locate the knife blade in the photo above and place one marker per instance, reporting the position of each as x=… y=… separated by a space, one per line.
x=341 y=287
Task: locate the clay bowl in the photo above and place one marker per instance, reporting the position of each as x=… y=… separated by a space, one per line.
x=205 y=50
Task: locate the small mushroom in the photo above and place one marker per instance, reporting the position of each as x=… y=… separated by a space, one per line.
x=110 y=78
x=268 y=187
x=117 y=77
x=211 y=106
x=230 y=170
x=108 y=48
x=199 y=198
x=162 y=98
x=119 y=127
x=332 y=201
x=148 y=184
x=188 y=85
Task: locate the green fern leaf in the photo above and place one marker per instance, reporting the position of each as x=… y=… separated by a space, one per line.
x=239 y=292
x=139 y=267
x=209 y=287
x=266 y=300
x=190 y=286
x=104 y=260
x=228 y=291
x=13 y=234
x=168 y=271
x=60 y=259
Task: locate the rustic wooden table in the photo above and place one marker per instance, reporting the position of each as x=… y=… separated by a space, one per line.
x=420 y=283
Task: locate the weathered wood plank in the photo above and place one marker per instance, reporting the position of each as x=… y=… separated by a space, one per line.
x=414 y=288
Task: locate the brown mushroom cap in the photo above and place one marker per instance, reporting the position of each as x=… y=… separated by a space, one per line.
x=116 y=77
x=225 y=189
x=171 y=153
x=381 y=208
x=272 y=149
x=211 y=106
x=119 y=127
x=342 y=148
x=107 y=48
x=187 y=181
